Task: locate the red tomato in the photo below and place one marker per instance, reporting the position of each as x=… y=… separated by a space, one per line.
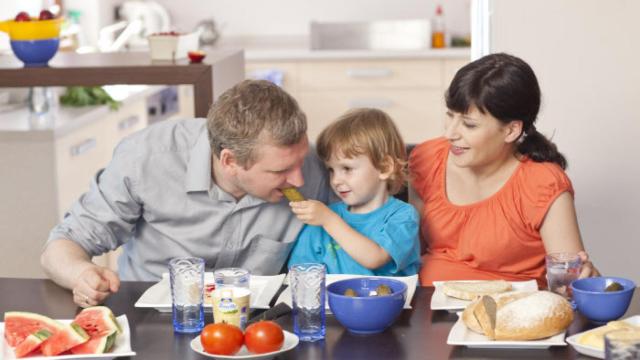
x=45 y=15
x=263 y=337
x=221 y=339
x=22 y=16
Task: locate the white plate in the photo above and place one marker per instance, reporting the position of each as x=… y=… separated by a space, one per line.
x=263 y=289
x=440 y=301
x=461 y=335
x=594 y=351
x=411 y=281
x=122 y=347
x=290 y=341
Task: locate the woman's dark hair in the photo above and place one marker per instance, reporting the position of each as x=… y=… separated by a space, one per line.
x=506 y=87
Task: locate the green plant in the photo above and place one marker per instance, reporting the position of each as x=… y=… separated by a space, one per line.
x=87 y=95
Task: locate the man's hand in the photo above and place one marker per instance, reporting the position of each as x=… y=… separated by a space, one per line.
x=94 y=285
x=312 y=212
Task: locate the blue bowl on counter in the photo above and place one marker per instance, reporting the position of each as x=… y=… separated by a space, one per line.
x=598 y=305
x=365 y=314
x=35 y=53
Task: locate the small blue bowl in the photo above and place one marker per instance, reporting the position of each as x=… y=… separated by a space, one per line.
x=35 y=53
x=598 y=305
x=364 y=314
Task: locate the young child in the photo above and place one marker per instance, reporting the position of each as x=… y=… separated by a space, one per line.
x=369 y=232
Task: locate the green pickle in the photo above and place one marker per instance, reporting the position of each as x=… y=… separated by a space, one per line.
x=383 y=290
x=350 y=292
x=614 y=286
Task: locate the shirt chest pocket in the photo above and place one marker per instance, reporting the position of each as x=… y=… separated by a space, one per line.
x=266 y=256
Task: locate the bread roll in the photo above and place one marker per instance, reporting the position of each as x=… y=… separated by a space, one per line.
x=469 y=290
x=520 y=315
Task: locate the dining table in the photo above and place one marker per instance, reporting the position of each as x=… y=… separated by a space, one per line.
x=418 y=333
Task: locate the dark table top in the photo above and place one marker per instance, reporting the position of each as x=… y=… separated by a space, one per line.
x=419 y=333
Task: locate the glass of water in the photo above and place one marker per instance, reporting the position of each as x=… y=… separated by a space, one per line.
x=622 y=345
x=562 y=270
x=187 y=288
x=308 y=294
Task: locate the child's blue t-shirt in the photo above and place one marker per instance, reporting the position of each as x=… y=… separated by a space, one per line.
x=393 y=226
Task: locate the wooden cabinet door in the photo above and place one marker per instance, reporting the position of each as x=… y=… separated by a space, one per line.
x=418 y=113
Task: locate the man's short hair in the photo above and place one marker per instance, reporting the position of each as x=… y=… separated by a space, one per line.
x=254 y=112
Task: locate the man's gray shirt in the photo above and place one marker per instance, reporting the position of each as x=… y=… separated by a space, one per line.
x=157 y=199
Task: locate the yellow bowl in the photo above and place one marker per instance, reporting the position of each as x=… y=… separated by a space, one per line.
x=32 y=30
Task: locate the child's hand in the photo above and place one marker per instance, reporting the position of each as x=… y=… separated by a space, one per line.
x=312 y=212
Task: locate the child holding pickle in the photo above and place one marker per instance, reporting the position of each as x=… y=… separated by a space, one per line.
x=369 y=232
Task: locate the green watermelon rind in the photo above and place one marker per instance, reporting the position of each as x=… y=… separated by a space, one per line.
x=105 y=345
x=105 y=314
x=31 y=343
x=75 y=335
x=12 y=317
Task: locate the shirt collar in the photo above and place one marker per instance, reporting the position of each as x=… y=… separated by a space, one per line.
x=199 y=167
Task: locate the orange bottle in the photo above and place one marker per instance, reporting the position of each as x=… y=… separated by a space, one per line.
x=437 y=34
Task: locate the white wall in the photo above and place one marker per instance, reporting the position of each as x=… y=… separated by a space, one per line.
x=292 y=17
x=586 y=54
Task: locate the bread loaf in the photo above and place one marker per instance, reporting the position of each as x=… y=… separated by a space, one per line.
x=469 y=290
x=523 y=315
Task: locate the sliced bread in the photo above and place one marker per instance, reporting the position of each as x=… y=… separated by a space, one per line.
x=469 y=290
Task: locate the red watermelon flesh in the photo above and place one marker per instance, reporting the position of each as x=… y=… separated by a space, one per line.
x=69 y=336
x=98 y=320
x=98 y=344
x=18 y=325
x=31 y=343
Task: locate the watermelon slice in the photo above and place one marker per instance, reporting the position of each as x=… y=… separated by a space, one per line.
x=64 y=339
x=98 y=320
x=31 y=343
x=18 y=325
x=98 y=344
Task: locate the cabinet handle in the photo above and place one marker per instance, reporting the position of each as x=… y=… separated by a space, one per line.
x=82 y=147
x=369 y=73
x=128 y=122
x=370 y=103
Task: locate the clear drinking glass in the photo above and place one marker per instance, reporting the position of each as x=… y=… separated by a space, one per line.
x=562 y=270
x=187 y=288
x=40 y=99
x=308 y=294
x=622 y=345
x=232 y=277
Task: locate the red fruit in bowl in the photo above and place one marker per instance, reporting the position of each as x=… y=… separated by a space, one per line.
x=196 y=56
x=22 y=16
x=45 y=15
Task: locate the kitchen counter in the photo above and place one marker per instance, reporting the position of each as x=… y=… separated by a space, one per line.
x=19 y=124
x=220 y=70
x=285 y=54
x=292 y=48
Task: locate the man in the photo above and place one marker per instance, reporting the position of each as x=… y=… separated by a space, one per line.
x=192 y=188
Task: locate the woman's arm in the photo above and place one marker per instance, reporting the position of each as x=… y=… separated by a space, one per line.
x=560 y=232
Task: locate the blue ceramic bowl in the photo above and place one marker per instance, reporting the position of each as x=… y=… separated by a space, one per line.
x=364 y=314
x=35 y=53
x=600 y=306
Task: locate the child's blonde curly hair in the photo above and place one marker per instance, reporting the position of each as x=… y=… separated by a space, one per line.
x=369 y=132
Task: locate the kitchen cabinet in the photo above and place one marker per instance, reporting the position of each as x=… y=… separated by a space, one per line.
x=48 y=173
x=410 y=90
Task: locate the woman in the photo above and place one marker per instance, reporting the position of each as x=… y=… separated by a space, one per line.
x=492 y=193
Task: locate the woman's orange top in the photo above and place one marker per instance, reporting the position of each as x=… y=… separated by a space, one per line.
x=495 y=238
